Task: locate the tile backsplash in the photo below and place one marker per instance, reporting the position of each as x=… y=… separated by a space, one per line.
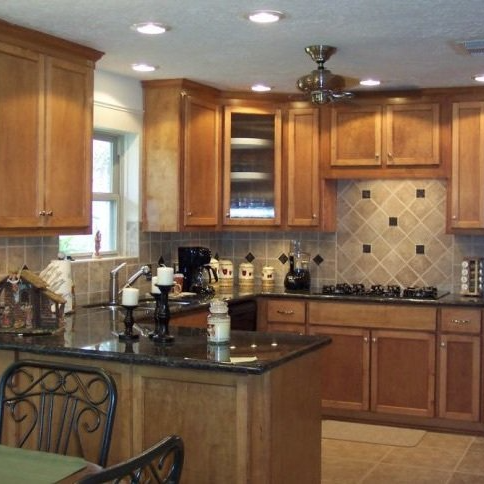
x=389 y=231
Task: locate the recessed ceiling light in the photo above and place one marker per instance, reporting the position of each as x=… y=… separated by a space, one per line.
x=151 y=28
x=143 y=67
x=479 y=78
x=261 y=88
x=370 y=82
x=265 y=16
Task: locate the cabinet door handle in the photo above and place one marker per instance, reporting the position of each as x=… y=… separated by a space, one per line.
x=365 y=339
x=377 y=156
x=287 y=312
x=390 y=156
x=461 y=321
x=189 y=214
x=42 y=213
x=50 y=213
x=227 y=214
x=373 y=340
x=442 y=344
x=314 y=215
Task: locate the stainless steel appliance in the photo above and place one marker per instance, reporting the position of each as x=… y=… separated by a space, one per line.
x=194 y=264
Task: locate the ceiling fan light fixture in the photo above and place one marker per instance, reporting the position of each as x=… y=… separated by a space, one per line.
x=321 y=84
x=265 y=16
x=150 y=28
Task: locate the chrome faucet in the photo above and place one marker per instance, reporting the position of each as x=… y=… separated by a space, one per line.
x=114 y=284
x=142 y=271
x=114 y=290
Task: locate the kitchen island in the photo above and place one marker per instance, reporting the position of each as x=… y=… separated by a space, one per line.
x=248 y=413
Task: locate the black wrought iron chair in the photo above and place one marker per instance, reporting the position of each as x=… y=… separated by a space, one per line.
x=59 y=408
x=162 y=463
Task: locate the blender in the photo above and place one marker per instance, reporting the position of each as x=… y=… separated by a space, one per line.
x=298 y=277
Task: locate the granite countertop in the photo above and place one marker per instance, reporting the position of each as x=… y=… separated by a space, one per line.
x=91 y=333
x=314 y=294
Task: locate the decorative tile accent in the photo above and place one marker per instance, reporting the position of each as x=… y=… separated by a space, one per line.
x=366 y=248
x=318 y=260
x=249 y=257
x=283 y=258
x=420 y=193
x=366 y=194
x=420 y=249
x=399 y=216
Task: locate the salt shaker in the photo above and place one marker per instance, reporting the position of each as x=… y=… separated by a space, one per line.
x=218 y=323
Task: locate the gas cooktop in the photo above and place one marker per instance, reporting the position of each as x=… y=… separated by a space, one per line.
x=388 y=291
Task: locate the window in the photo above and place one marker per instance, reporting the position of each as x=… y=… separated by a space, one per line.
x=106 y=204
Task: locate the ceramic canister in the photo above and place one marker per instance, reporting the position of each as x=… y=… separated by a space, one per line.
x=226 y=272
x=268 y=274
x=246 y=271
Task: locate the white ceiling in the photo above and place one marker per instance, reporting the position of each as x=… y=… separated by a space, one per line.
x=406 y=43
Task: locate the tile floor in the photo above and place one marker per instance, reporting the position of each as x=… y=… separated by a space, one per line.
x=437 y=459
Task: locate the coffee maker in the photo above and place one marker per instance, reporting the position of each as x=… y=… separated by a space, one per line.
x=193 y=262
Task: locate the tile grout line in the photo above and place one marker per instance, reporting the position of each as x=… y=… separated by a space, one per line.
x=459 y=462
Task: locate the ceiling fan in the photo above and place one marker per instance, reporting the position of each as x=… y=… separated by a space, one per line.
x=321 y=84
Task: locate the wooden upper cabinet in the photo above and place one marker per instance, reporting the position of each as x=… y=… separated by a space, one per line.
x=413 y=134
x=303 y=178
x=68 y=144
x=467 y=188
x=252 y=160
x=356 y=135
x=181 y=156
x=21 y=141
x=384 y=139
x=201 y=163
x=46 y=97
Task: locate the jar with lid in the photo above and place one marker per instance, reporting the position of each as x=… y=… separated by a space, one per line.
x=218 y=323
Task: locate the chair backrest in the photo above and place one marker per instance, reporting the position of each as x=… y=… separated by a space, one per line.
x=162 y=463
x=56 y=407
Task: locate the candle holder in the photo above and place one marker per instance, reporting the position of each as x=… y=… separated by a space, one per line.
x=128 y=334
x=161 y=334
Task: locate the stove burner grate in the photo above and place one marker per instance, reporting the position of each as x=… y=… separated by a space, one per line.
x=380 y=290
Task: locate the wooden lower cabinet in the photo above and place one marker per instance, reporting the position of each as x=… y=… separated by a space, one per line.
x=459 y=364
x=403 y=372
x=378 y=370
x=282 y=315
x=345 y=377
x=459 y=377
x=237 y=428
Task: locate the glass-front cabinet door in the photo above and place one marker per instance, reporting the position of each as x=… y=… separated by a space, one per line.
x=252 y=166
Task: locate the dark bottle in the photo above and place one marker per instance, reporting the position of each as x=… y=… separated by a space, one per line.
x=298 y=277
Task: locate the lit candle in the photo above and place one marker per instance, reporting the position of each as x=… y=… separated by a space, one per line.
x=154 y=287
x=130 y=296
x=165 y=276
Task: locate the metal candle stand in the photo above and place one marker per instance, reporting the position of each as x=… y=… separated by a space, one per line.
x=128 y=334
x=162 y=316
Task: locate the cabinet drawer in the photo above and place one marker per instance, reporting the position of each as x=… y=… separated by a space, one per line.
x=286 y=311
x=461 y=320
x=388 y=316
